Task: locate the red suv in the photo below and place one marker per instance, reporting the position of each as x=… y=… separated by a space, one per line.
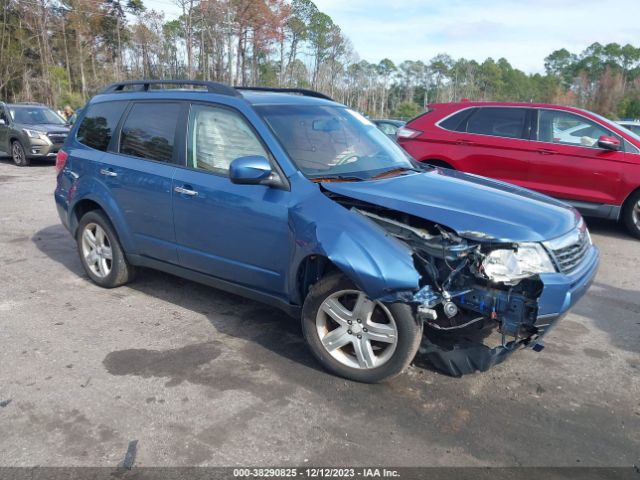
x=565 y=152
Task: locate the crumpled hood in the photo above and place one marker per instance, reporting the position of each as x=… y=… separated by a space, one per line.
x=467 y=203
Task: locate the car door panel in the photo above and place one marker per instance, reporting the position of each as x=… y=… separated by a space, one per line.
x=142 y=191
x=567 y=164
x=139 y=169
x=576 y=173
x=238 y=233
x=503 y=159
x=493 y=143
x=242 y=233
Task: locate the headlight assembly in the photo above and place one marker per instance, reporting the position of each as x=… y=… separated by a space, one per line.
x=34 y=133
x=511 y=266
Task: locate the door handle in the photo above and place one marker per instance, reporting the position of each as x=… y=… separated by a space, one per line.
x=544 y=151
x=108 y=172
x=186 y=191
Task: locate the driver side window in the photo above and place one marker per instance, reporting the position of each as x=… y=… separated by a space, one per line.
x=217 y=136
x=555 y=126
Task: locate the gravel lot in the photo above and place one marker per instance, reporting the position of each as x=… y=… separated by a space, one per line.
x=201 y=377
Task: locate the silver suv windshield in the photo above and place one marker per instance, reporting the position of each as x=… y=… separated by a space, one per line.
x=330 y=141
x=35 y=116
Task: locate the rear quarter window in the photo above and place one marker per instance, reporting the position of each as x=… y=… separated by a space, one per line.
x=458 y=121
x=99 y=124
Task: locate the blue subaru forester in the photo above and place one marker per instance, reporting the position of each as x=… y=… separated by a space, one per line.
x=289 y=198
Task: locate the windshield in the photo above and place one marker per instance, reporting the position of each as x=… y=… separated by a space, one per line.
x=610 y=123
x=631 y=130
x=35 y=116
x=328 y=141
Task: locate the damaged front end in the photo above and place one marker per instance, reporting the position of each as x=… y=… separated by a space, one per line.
x=478 y=297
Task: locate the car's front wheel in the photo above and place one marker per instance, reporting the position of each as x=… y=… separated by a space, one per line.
x=18 y=154
x=100 y=251
x=356 y=337
x=631 y=214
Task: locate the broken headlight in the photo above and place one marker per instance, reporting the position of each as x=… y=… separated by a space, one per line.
x=511 y=266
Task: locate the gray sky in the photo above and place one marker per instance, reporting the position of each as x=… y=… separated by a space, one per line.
x=524 y=32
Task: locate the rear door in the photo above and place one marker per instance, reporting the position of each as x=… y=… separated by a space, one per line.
x=494 y=142
x=138 y=169
x=567 y=163
x=239 y=233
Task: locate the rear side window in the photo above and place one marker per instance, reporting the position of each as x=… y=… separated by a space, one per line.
x=498 y=122
x=149 y=131
x=457 y=121
x=99 y=123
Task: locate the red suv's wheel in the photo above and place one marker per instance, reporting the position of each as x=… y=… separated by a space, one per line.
x=631 y=214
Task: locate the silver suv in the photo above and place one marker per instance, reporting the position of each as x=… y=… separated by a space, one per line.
x=30 y=130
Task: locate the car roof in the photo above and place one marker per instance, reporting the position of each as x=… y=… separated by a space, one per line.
x=210 y=91
x=275 y=98
x=464 y=104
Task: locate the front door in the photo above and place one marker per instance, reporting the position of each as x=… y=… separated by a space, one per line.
x=238 y=233
x=567 y=162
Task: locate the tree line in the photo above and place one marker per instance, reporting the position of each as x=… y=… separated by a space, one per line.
x=62 y=51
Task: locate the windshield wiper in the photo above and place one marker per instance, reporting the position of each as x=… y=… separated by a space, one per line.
x=336 y=178
x=392 y=172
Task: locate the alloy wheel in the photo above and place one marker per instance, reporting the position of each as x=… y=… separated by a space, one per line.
x=636 y=214
x=18 y=153
x=356 y=331
x=96 y=250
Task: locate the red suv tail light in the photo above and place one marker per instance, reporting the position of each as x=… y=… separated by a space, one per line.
x=405 y=132
x=61 y=159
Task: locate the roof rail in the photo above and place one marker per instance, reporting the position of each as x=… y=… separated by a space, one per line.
x=144 y=85
x=299 y=91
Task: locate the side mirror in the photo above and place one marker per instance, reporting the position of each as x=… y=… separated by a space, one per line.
x=609 y=143
x=252 y=170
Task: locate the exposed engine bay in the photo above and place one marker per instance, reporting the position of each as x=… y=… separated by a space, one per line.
x=468 y=291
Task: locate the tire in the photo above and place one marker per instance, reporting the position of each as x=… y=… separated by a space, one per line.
x=97 y=241
x=439 y=163
x=18 y=154
x=631 y=214
x=355 y=353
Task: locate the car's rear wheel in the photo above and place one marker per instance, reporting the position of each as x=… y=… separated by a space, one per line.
x=18 y=154
x=100 y=251
x=631 y=214
x=356 y=337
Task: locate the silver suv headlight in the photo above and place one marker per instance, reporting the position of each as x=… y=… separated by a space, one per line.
x=511 y=266
x=34 y=133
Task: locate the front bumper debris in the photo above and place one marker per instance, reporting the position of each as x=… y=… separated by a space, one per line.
x=470 y=351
